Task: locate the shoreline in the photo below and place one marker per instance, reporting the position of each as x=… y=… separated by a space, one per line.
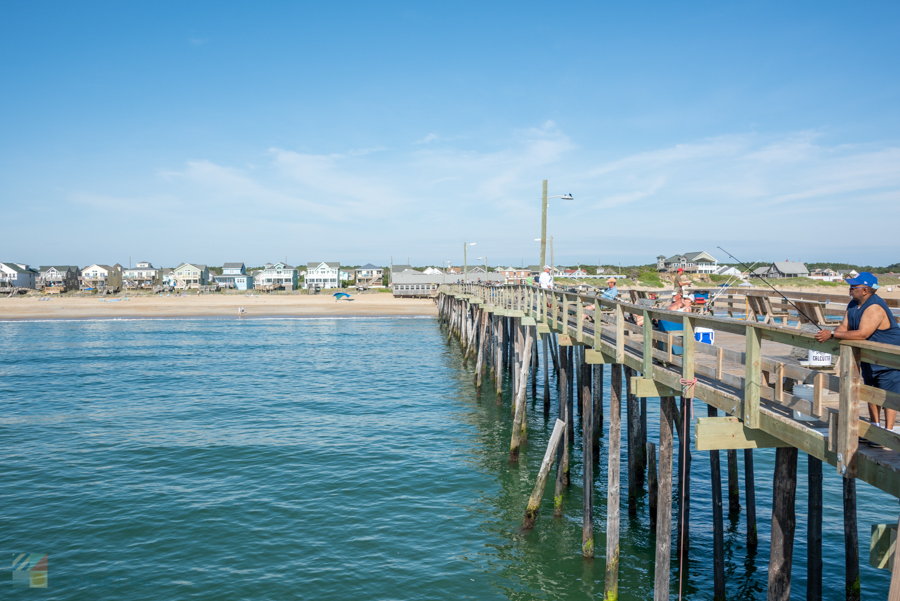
x=211 y=306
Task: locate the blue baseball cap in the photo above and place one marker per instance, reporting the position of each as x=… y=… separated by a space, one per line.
x=864 y=279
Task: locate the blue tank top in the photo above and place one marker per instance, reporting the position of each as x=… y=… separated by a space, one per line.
x=889 y=336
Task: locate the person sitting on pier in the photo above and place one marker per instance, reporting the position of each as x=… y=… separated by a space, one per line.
x=611 y=291
x=677 y=303
x=869 y=318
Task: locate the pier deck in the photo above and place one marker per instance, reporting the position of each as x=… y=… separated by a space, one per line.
x=749 y=375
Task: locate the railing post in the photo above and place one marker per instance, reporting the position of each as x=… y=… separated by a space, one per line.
x=565 y=313
x=648 y=345
x=579 y=319
x=554 y=297
x=688 y=341
x=752 y=365
x=620 y=333
x=848 y=412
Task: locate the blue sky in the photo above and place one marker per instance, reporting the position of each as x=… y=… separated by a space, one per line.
x=357 y=131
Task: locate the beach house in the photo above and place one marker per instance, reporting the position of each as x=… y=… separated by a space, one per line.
x=61 y=277
x=102 y=276
x=694 y=262
x=235 y=276
x=411 y=283
x=322 y=275
x=514 y=275
x=276 y=276
x=369 y=276
x=783 y=269
x=142 y=275
x=190 y=275
x=17 y=275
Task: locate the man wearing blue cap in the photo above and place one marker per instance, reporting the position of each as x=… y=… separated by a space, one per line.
x=869 y=318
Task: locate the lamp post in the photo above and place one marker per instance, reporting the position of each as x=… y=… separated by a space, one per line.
x=485 y=264
x=541 y=240
x=465 y=261
x=543 y=237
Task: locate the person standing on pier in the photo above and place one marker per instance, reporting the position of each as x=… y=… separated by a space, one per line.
x=681 y=282
x=869 y=318
x=546 y=280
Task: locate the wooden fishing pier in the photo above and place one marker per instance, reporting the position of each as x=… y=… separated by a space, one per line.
x=746 y=378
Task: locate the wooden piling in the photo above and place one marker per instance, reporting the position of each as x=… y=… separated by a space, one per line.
x=683 y=533
x=652 y=484
x=546 y=376
x=479 y=358
x=642 y=444
x=784 y=489
x=534 y=501
x=814 y=530
x=668 y=417
x=520 y=422
x=570 y=387
x=734 y=491
x=598 y=407
x=750 y=495
x=631 y=412
x=498 y=361
x=562 y=455
x=718 y=527
x=587 y=524
x=851 y=542
x=612 y=486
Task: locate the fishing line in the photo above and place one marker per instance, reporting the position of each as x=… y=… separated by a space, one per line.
x=742 y=264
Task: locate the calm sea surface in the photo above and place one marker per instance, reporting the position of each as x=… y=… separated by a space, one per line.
x=319 y=459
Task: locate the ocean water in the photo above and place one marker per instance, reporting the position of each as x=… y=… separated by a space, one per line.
x=322 y=459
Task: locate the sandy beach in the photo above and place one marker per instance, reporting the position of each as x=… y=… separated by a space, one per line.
x=212 y=305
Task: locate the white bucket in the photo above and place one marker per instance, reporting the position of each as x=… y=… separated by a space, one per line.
x=817 y=358
x=805 y=392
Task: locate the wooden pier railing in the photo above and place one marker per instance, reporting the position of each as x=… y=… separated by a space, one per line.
x=747 y=372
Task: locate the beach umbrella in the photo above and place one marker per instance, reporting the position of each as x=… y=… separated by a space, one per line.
x=339 y=295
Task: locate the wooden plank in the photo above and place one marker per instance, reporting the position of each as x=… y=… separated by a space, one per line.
x=596 y=357
x=543 y=328
x=723 y=433
x=645 y=387
x=611 y=590
x=877 y=396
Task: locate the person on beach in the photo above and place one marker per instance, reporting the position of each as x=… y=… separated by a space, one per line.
x=869 y=318
x=681 y=282
x=546 y=280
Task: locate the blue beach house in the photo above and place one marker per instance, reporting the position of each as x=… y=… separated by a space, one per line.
x=234 y=275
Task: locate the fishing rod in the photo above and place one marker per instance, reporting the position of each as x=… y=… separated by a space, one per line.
x=742 y=264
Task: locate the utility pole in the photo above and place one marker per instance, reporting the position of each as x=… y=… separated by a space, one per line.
x=544 y=227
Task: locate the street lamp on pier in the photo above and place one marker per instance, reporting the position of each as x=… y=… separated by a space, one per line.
x=543 y=237
x=466 y=246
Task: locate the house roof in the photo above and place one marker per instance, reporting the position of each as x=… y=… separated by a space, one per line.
x=233 y=266
x=790 y=267
x=44 y=268
x=699 y=256
x=197 y=265
x=314 y=264
x=400 y=268
x=369 y=266
x=15 y=267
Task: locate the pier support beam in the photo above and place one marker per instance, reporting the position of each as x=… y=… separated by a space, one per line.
x=784 y=521
x=718 y=528
x=734 y=490
x=851 y=541
x=652 y=486
x=562 y=455
x=668 y=418
x=612 y=486
x=750 y=494
x=546 y=376
x=587 y=526
x=632 y=412
x=814 y=530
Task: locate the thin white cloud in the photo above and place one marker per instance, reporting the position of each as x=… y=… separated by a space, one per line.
x=427 y=139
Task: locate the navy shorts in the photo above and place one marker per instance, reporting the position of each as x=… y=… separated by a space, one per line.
x=884 y=378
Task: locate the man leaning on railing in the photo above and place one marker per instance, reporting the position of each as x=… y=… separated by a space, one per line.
x=869 y=318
